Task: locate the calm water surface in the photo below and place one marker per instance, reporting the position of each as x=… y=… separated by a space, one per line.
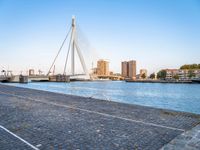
x=181 y=97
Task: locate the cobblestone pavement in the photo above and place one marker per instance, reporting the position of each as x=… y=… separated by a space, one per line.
x=189 y=140
x=8 y=141
x=56 y=121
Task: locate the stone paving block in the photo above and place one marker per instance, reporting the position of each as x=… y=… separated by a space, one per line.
x=187 y=141
x=57 y=121
x=9 y=142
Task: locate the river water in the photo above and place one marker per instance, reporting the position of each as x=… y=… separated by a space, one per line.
x=181 y=97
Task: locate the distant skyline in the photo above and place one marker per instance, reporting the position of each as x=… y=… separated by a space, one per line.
x=158 y=34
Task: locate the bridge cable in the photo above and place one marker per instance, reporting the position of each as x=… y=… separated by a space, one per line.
x=64 y=72
x=59 y=51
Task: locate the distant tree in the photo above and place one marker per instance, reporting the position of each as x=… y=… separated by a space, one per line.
x=176 y=77
x=185 y=67
x=190 y=66
x=152 y=76
x=161 y=74
x=143 y=76
x=191 y=74
x=194 y=66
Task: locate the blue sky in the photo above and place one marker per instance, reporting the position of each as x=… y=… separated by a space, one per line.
x=156 y=33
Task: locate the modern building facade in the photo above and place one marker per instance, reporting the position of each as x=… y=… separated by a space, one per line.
x=124 y=69
x=128 y=69
x=132 y=69
x=183 y=74
x=103 y=68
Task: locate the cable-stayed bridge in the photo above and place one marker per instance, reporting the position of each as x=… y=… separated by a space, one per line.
x=73 y=48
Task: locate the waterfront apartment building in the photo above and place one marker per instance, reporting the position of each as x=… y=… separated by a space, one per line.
x=183 y=74
x=128 y=69
x=103 y=68
x=143 y=71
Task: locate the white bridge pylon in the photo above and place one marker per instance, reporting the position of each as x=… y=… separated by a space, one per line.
x=73 y=47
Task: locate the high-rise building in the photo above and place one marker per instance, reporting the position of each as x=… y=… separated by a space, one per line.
x=124 y=70
x=129 y=69
x=132 y=69
x=103 y=67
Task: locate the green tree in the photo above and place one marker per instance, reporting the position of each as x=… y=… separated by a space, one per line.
x=161 y=74
x=191 y=74
x=185 y=67
x=143 y=76
x=176 y=77
x=190 y=66
x=194 y=66
x=152 y=76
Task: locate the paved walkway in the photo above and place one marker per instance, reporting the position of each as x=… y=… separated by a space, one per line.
x=189 y=140
x=46 y=120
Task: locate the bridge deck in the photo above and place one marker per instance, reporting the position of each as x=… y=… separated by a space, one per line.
x=47 y=120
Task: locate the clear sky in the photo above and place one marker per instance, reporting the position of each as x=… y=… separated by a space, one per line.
x=156 y=33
